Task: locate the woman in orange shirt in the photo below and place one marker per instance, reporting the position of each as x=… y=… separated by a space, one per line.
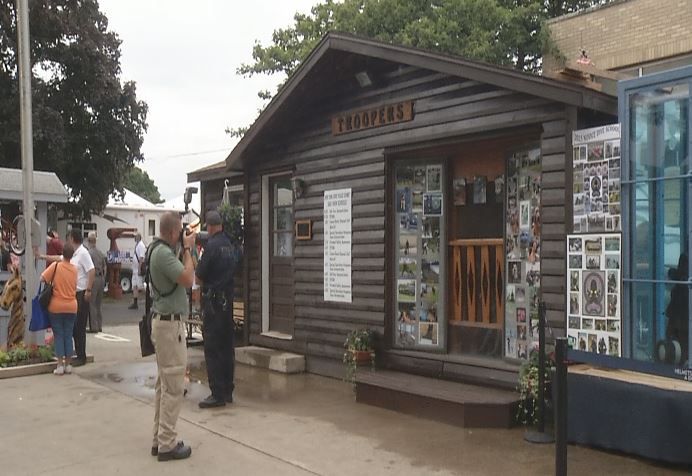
x=62 y=309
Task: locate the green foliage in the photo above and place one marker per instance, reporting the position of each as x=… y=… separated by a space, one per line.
x=232 y=218
x=527 y=412
x=21 y=355
x=88 y=125
x=140 y=183
x=504 y=32
x=361 y=340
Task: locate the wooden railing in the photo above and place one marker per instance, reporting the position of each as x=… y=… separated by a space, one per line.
x=478 y=268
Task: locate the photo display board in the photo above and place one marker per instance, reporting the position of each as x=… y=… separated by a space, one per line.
x=523 y=270
x=596 y=185
x=420 y=235
x=593 y=300
x=337 y=245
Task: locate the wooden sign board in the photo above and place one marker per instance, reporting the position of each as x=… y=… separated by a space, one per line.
x=303 y=229
x=370 y=118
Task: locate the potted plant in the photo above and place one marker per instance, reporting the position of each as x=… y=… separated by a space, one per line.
x=527 y=413
x=359 y=350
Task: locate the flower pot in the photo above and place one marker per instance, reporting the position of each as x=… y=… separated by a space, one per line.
x=361 y=357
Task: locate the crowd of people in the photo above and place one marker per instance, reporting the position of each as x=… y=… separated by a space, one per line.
x=165 y=270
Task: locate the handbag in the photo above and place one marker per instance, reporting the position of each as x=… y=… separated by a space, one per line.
x=39 y=315
x=145 y=343
x=45 y=295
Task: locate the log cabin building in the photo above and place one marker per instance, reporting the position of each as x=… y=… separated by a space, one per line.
x=443 y=183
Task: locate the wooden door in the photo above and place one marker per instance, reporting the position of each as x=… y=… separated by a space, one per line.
x=281 y=234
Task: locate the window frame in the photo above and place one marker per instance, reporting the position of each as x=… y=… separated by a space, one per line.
x=627 y=89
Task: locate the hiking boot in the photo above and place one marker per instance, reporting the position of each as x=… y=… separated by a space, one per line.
x=181 y=451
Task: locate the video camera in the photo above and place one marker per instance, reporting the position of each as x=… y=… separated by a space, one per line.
x=202 y=236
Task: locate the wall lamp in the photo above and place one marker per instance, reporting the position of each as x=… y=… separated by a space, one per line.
x=298 y=186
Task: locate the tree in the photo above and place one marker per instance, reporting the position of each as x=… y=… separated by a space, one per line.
x=502 y=32
x=139 y=182
x=88 y=125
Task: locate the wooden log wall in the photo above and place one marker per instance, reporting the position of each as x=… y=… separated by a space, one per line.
x=556 y=213
x=446 y=108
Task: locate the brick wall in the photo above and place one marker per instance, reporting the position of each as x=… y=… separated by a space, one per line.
x=625 y=33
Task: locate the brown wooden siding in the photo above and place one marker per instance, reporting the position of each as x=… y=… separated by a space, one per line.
x=446 y=108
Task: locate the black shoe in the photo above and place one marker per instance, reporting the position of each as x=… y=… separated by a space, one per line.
x=78 y=362
x=133 y=306
x=154 y=450
x=181 y=451
x=212 y=402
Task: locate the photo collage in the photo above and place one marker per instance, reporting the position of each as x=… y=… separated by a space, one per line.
x=593 y=297
x=523 y=248
x=596 y=197
x=419 y=205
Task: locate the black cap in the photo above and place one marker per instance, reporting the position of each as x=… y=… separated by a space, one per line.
x=213 y=218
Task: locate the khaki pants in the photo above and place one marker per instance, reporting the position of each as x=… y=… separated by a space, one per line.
x=171 y=358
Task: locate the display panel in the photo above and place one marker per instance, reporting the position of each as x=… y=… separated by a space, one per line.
x=420 y=234
x=523 y=248
x=594 y=293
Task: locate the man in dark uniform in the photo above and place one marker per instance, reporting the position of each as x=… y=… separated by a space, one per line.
x=215 y=274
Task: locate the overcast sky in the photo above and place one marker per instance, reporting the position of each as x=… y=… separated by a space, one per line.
x=183 y=56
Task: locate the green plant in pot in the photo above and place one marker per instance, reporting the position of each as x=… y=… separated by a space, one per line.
x=359 y=351
x=232 y=218
x=527 y=413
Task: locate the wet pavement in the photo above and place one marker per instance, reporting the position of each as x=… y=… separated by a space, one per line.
x=278 y=424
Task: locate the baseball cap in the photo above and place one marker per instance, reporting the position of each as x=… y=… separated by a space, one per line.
x=213 y=218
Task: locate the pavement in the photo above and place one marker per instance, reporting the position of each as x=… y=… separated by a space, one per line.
x=98 y=421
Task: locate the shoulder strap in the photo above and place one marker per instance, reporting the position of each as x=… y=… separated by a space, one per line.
x=55 y=270
x=148 y=279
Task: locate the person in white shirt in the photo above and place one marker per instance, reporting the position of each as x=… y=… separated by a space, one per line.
x=85 y=281
x=137 y=278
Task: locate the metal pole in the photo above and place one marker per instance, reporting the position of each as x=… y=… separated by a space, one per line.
x=540 y=436
x=561 y=413
x=24 y=66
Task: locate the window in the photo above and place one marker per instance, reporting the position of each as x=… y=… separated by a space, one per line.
x=657 y=189
x=152 y=227
x=85 y=228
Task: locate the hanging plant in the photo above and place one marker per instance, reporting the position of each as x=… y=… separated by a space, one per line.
x=527 y=412
x=360 y=350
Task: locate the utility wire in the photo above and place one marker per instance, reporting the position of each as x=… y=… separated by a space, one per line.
x=186 y=154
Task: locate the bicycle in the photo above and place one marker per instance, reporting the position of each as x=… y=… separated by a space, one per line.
x=14 y=233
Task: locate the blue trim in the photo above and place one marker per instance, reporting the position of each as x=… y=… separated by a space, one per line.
x=620 y=363
x=626 y=88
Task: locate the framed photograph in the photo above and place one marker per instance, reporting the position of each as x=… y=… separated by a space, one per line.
x=459 y=191
x=407 y=268
x=431 y=247
x=524 y=213
x=574 y=281
x=480 y=185
x=408 y=222
x=406 y=290
x=434 y=178
x=403 y=200
x=514 y=272
x=432 y=204
x=612 y=261
x=574 y=322
x=404 y=176
x=408 y=245
x=613 y=282
x=575 y=245
x=428 y=333
x=575 y=261
x=593 y=246
x=419 y=179
x=520 y=294
x=593 y=262
x=303 y=230
x=431 y=271
x=574 y=303
x=613 y=346
x=417 y=201
x=593 y=293
x=521 y=314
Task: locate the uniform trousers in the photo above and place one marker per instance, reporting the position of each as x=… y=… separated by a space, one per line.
x=219 y=348
x=168 y=338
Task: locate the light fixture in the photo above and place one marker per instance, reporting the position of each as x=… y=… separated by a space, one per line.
x=298 y=186
x=364 y=79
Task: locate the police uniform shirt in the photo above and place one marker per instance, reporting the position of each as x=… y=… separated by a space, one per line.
x=217 y=265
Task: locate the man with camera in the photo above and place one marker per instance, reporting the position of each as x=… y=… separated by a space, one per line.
x=215 y=273
x=169 y=278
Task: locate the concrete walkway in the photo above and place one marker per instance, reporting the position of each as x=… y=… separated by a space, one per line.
x=98 y=421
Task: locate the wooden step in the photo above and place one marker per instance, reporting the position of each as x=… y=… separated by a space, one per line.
x=468 y=406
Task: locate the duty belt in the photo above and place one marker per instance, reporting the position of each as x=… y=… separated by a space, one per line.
x=168 y=317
